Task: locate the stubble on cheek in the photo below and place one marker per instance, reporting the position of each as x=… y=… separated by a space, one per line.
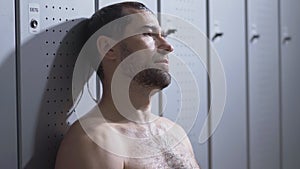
x=140 y=67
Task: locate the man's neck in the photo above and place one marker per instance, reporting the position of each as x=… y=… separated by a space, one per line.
x=131 y=104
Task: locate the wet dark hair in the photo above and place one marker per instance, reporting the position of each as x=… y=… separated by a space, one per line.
x=109 y=14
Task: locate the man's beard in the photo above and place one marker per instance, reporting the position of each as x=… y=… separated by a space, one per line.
x=150 y=77
x=153 y=78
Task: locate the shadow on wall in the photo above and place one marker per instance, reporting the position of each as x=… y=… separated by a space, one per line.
x=46 y=67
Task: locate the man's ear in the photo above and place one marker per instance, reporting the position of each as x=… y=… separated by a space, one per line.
x=105 y=47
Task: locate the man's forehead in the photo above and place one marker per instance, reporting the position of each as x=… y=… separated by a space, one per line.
x=142 y=20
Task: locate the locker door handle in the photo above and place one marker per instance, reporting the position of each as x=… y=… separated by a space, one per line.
x=286 y=39
x=254 y=37
x=219 y=34
x=168 y=32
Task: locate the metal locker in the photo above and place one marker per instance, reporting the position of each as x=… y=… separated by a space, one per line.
x=290 y=82
x=8 y=87
x=51 y=36
x=187 y=94
x=227 y=31
x=263 y=72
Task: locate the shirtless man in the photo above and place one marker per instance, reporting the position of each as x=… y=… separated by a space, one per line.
x=122 y=134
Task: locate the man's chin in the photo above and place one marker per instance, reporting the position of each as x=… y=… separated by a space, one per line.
x=153 y=78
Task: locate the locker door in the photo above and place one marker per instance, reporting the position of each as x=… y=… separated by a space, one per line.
x=228 y=35
x=264 y=104
x=49 y=47
x=8 y=87
x=181 y=99
x=290 y=82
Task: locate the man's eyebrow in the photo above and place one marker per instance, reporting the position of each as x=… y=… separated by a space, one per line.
x=154 y=28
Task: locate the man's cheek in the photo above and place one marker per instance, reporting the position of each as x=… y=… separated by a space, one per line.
x=132 y=66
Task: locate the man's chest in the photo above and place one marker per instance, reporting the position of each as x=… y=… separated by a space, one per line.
x=176 y=158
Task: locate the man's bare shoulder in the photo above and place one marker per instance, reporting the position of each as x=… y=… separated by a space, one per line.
x=80 y=149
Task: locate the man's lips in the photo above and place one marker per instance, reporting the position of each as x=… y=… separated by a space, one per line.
x=162 y=61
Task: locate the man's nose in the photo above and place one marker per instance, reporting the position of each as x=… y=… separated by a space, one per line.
x=164 y=46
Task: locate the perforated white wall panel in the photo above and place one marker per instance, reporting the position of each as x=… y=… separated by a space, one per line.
x=47 y=58
x=8 y=98
x=187 y=94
